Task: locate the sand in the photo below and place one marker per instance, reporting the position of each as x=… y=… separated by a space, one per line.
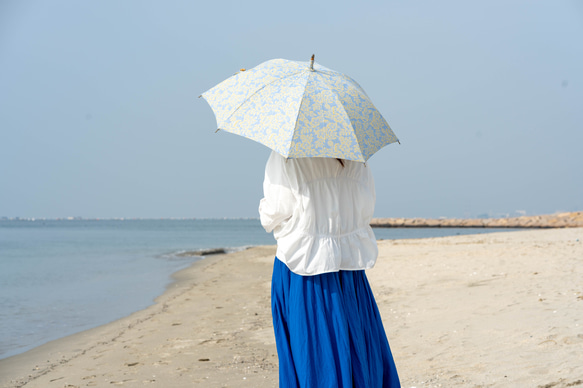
x=487 y=310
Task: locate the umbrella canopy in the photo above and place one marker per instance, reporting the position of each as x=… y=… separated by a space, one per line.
x=300 y=109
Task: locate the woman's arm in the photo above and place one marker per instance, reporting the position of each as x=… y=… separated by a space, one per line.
x=278 y=203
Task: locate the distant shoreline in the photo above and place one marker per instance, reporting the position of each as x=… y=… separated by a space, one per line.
x=561 y=220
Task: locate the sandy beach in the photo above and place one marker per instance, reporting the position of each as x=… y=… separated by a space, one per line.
x=486 y=310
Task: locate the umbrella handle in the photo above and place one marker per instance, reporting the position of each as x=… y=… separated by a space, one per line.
x=312 y=63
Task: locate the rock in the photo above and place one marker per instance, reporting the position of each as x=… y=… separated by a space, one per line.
x=560 y=220
x=203 y=252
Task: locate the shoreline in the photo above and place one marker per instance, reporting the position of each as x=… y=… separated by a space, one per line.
x=195 y=256
x=200 y=254
x=24 y=368
x=488 y=309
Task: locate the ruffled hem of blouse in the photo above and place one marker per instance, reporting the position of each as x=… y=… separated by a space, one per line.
x=313 y=255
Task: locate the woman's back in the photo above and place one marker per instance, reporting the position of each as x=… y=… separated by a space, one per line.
x=334 y=200
x=320 y=211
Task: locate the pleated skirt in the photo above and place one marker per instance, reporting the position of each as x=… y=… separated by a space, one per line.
x=329 y=332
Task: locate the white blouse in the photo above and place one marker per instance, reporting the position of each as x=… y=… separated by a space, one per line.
x=319 y=213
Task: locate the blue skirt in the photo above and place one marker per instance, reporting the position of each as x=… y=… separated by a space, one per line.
x=329 y=332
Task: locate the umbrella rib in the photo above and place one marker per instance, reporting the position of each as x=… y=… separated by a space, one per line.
x=263 y=87
x=298 y=115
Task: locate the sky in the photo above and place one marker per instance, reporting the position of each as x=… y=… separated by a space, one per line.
x=100 y=115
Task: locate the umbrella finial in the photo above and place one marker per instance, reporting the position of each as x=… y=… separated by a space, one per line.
x=312 y=62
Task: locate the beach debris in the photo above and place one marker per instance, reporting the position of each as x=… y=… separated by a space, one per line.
x=204 y=359
x=132 y=363
x=122 y=382
x=203 y=252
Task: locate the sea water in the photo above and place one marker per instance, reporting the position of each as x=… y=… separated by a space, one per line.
x=60 y=277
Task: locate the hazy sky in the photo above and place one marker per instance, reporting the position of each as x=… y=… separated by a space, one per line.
x=99 y=115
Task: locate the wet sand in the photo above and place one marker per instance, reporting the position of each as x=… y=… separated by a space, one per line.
x=487 y=310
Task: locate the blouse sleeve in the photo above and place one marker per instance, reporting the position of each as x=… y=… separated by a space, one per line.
x=278 y=203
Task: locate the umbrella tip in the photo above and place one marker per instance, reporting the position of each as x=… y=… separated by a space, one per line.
x=312 y=62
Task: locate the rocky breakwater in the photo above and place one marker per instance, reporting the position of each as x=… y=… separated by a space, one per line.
x=559 y=220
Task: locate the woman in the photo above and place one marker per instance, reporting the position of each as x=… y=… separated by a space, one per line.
x=327 y=325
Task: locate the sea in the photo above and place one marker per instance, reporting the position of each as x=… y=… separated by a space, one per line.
x=60 y=277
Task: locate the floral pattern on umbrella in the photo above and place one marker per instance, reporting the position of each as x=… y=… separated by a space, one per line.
x=300 y=109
